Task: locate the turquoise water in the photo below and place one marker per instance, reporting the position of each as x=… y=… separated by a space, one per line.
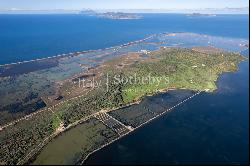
x=25 y=37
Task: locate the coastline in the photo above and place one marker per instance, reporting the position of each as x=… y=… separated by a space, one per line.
x=82 y=161
x=113 y=147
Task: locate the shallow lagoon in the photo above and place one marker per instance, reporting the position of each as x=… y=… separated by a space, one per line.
x=68 y=147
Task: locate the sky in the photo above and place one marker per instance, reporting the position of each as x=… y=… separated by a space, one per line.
x=120 y=4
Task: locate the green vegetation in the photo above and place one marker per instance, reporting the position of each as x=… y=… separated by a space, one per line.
x=183 y=68
x=18 y=140
x=55 y=122
x=180 y=68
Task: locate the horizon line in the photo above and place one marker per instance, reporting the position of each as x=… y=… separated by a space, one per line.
x=209 y=8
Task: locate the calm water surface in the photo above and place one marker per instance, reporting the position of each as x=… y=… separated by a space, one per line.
x=25 y=37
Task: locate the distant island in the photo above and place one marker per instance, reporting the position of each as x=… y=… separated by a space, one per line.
x=88 y=12
x=201 y=14
x=112 y=15
x=120 y=15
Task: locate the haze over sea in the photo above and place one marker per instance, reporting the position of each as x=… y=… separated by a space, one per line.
x=26 y=37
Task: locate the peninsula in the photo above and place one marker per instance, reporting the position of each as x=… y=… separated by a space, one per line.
x=113 y=84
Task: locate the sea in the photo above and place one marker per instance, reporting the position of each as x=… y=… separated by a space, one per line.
x=26 y=37
x=212 y=128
